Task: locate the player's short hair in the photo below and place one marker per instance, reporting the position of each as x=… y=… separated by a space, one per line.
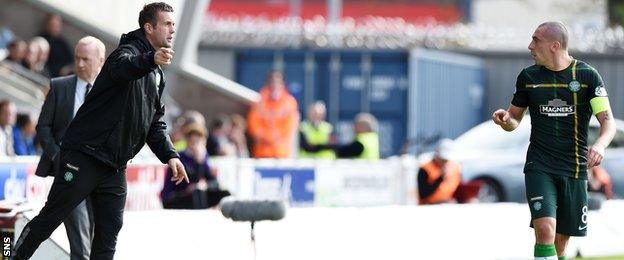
x=558 y=32
x=150 y=12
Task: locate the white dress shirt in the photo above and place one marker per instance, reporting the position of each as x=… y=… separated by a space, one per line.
x=79 y=96
x=6 y=141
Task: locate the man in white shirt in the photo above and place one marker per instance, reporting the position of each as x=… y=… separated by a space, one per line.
x=7 y=120
x=61 y=105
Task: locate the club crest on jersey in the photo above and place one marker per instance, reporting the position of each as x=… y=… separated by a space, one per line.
x=537 y=205
x=557 y=108
x=601 y=91
x=574 y=86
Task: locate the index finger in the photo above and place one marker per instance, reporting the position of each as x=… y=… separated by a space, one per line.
x=184 y=175
x=167 y=50
x=591 y=158
x=598 y=159
x=174 y=170
x=503 y=117
x=178 y=179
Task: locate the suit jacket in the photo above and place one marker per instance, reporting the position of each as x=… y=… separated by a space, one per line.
x=56 y=114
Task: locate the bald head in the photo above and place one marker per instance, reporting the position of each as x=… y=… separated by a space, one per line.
x=555 y=31
x=97 y=44
x=89 y=58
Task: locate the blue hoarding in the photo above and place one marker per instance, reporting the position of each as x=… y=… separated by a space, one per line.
x=13 y=181
x=295 y=184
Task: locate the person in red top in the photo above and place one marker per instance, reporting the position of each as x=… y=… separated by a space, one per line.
x=273 y=121
x=439 y=179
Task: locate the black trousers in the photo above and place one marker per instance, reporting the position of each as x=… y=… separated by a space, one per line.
x=79 y=176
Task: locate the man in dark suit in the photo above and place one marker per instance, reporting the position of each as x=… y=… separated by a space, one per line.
x=65 y=97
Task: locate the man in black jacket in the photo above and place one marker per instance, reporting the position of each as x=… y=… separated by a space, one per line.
x=122 y=112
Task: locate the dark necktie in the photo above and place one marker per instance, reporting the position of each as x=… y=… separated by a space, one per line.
x=87 y=90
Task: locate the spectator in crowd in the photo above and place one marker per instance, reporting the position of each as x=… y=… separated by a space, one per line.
x=273 y=120
x=218 y=143
x=37 y=56
x=315 y=131
x=187 y=118
x=364 y=146
x=60 y=60
x=24 y=135
x=7 y=120
x=17 y=51
x=65 y=97
x=238 y=136
x=44 y=53
x=439 y=178
x=6 y=34
x=600 y=181
x=203 y=190
x=32 y=55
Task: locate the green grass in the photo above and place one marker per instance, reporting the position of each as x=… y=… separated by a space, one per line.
x=601 y=258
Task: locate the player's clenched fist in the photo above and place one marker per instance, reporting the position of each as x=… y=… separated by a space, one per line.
x=163 y=56
x=500 y=116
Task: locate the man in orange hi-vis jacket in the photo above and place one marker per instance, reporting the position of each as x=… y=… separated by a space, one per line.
x=273 y=120
x=439 y=178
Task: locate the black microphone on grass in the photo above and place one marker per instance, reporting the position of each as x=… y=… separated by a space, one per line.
x=252 y=210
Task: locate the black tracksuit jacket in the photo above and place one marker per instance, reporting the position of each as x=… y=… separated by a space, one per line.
x=124 y=109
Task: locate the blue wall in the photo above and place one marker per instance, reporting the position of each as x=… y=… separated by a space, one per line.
x=413 y=95
x=349 y=82
x=447 y=93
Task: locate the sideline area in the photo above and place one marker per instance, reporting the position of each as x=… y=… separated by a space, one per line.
x=468 y=231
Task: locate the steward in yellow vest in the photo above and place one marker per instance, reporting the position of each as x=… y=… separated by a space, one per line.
x=315 y=134
x=366 y=143
x=315 y=131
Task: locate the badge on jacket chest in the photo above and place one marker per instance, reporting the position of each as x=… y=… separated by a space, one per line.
x=69 y=176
